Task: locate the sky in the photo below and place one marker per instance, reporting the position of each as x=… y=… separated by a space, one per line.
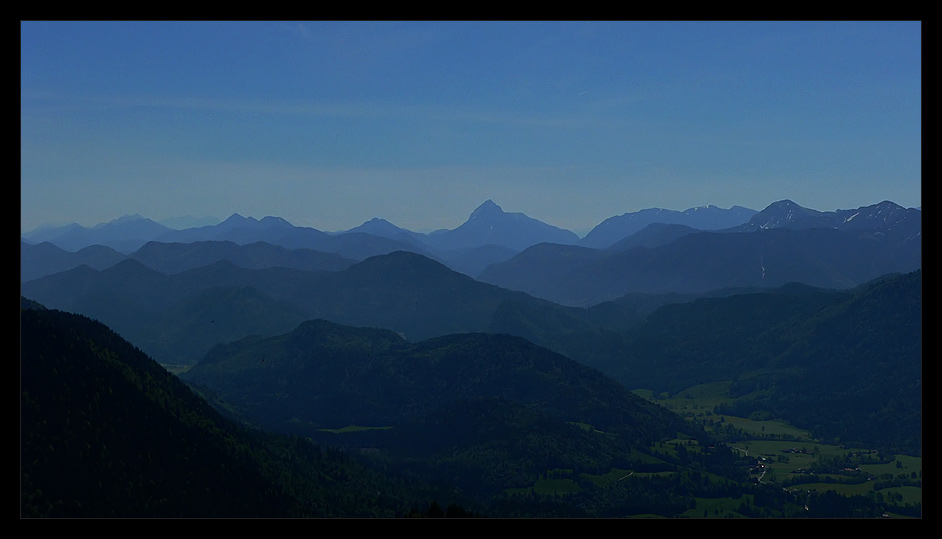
x=328 y=124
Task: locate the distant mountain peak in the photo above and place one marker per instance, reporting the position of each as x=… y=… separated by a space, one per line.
x=123 y=220
x=133 y=217
x=887 y=204
x=274 y=221
x=490 y=225
x=787 y=214
x=487 y=208
x=235 y=218
x=377 y=226
x=373 y=225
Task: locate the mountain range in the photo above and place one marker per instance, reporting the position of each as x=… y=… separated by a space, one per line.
x=781 y=244
x=885 y=216
x=467 y=363
x=487 y=225
x=613 y=229
x=489 y=236
x=147 y=295
x=403 y=291
x=488 y=419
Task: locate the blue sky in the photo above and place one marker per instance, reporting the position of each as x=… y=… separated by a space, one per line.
x=329 y=124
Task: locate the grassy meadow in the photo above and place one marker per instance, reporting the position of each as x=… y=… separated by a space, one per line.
x=790 y=456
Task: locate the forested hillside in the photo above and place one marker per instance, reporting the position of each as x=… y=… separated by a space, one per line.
x=846 y=365
x=107 y=432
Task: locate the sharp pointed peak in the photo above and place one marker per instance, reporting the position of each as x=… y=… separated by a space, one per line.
x=488 y=207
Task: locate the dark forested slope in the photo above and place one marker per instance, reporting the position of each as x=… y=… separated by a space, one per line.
x=847 y=365
x=107 y=432
x=330 y=375
x=483 y=412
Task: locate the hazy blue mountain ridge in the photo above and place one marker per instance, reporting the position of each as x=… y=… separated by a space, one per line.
x=885 y=216
x=489 y=235
x=146 y=306
x=404 y=291
x=653 y=235
x=188 y=221
x=784 y=243
x=488 y=224
x=421 y=298
x=45 y=258
x=473 y=260
x=125 y=234
x=614 y=229
x=277 y=231
x=384 y=229
x=172 y=258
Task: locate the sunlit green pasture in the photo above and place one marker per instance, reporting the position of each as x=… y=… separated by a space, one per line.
x=699 y=403
x=786 y=453
x=772 y=427
x=904 y=464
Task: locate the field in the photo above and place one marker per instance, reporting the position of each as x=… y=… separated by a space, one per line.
x=791 y=457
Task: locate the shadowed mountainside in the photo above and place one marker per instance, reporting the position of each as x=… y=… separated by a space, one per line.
x=106 y=432
x=846 y=365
